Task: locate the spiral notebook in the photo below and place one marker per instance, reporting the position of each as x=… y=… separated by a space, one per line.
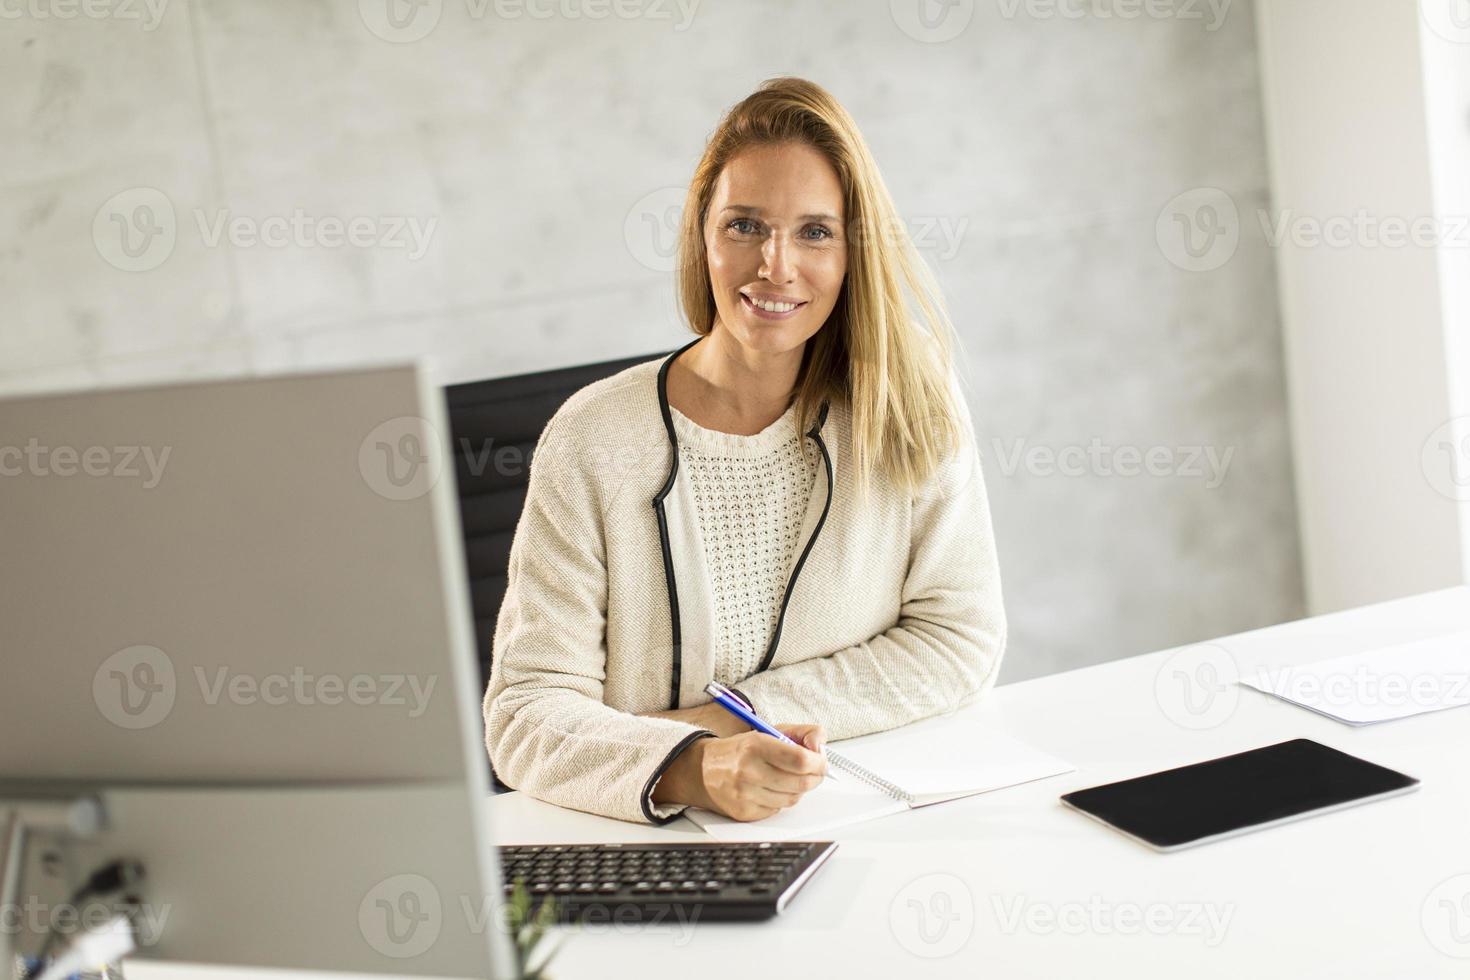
x=927 y=762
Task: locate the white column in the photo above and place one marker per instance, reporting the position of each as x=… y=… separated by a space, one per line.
x=1364 y=309
x=1445 y=40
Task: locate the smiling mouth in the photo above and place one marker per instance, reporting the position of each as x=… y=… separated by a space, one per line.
x=774 y=309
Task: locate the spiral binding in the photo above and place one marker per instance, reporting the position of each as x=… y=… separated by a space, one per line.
x=870 y=777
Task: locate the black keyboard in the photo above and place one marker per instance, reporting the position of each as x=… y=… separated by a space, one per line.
x=704 y=882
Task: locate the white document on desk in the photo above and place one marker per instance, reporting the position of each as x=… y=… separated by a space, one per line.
x=935 y=760
x=1378 y=685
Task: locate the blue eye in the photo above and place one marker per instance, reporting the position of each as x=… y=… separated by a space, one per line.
x=826 y=232
x=741 y=221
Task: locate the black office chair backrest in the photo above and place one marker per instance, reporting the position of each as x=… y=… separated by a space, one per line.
x=486 y=417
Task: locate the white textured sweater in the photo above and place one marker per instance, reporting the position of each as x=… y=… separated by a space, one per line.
x=896 y=613
x=750 y=493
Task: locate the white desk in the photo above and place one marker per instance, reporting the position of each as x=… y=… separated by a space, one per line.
x=1036 y=890
x=1030 y=889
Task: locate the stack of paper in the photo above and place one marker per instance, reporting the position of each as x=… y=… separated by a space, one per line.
x=1378 y=685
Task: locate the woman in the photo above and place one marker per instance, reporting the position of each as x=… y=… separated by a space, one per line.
x=819 y=533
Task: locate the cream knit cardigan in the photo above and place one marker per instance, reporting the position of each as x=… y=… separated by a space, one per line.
x=896 y=614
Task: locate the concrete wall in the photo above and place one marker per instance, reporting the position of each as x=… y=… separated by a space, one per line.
x=177 y=189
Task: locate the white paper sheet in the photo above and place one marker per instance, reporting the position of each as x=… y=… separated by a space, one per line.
x=1378 y=685
x=975 y=760
x=836 y=803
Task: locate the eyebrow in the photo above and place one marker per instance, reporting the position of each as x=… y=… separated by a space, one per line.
x=750 y=209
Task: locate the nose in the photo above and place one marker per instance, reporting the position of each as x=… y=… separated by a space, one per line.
x=776 y=265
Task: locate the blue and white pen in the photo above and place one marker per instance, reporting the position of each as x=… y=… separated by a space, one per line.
x=728 y=700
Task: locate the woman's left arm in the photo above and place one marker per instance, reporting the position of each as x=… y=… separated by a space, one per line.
x=946 y=648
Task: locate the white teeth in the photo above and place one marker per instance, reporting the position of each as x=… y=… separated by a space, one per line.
x=773 y=307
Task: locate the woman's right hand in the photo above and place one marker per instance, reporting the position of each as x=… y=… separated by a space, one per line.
x=751 y=776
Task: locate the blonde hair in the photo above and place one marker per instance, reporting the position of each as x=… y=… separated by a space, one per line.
x=869 y=354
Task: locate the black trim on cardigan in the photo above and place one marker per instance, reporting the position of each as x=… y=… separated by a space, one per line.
x=815 y=433
x=676 y=675
x=663 y=523
x=647 y=798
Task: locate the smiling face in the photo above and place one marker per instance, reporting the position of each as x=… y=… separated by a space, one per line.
x=776 y=248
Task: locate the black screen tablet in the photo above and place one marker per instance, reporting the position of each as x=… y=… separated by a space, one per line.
x=1238 y=793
